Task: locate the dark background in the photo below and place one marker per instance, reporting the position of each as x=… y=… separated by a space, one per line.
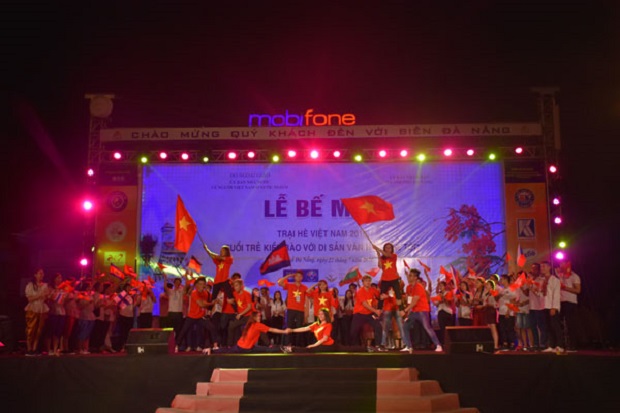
x=178 y=64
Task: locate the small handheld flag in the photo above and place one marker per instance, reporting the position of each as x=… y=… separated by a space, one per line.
x=352 y=276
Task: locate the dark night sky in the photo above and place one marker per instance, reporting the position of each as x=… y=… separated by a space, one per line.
x=173 y=64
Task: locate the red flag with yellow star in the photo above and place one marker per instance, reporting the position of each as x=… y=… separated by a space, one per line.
x=369 y=208
x=185 y=228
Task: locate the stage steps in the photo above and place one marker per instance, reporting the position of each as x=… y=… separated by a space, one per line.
x=317 y=389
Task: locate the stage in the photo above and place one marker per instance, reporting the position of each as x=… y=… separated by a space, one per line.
x=506 y=382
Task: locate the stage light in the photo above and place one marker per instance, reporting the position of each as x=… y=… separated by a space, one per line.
x=117 y=155
x=87 y=205
x=470 y=152
x=314 y=154
x=275 y=158
x=291 y=153
x=556 y=201
x=553 y=169
x=447 y=152
x=562 y=244
x=163 y=156
x=557 y=220
x=382 y=153
x=337 y=154
x=83 y=262
x=92 y=249
x=232 y=155
x=518 y=150
x=358 y=158
x=144 y=159
x=492 y=156
x=185 y=156
x=559 y=256
x=90 y=172
x=421 y=157
x=251 y=155
x=404 y=153
x=205 y=159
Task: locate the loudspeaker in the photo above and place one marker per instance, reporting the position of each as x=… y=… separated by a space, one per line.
x=150 y=341
x=468 y=340
x=7 y=339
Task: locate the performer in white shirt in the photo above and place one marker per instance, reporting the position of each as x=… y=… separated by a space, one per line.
x=570 y=284
x=551 y=292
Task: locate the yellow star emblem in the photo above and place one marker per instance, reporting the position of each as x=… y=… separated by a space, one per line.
x=220 y=266
x=370 y=208
x=322 y=301
x=184 y=223
x=239 y=303
x=369 y=301
x=296 y=293
x=387 y=264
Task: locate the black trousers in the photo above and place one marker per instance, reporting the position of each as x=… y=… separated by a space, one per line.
x=357 y=323
x=295 y=319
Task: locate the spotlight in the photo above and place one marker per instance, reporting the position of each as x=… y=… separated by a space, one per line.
x=185 y=156
x=275 y=158
x=87 y=205
x=291 y=153
x=358 y=158
x=557 y=220
x=83 y=262
x=556 y=201
x=163 y=155
x=518 y=150
x=492 y=156
x=232 y=155
x=562 y=244
x=447 y=152
x=205 y=159
x=144 y=159
x=421 y=157
x=251 y=155
x=404 y=153
x=90 y=172
x=337 y=154
x=559 y=256
x=382 y=153
x=117 y=155
x=553 y=169
x=470 y=152
x=314 y=154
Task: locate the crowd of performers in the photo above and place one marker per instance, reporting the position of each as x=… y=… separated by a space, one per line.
x=530 y=311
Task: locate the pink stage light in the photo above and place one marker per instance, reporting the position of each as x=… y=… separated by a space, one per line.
x=557 y=220
x=90 y=172
x=83 y=262
x=87 y=205
x=232 y=156
x=117 y=155
x=559 y=256
x=163 y=156
x=556 y=201
x=553 y=169
x=251 y=155
x=470 y=152
x=447 y=152
x=382 y=153
x=185 y=156
x=291 y=153
x=314 y=154
x=337 y=154
x=404 y=153
x=519 y=150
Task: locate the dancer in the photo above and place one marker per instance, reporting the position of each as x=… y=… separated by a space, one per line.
x=245 y=306
x=365 y=312
x=223 y=262
x=322 y=330
x=249 y=338
x=199 y=301
x=295 y=305
x=463 y=304
x=36 y=311
x=551 y=291
x=57 y=314
x=387 y=260
x=278 y=310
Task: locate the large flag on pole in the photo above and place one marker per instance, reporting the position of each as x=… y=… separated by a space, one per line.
x=185 y=228
x=277 y=258
x=369 y=208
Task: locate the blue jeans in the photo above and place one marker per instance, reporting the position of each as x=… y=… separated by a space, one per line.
x=387 y=325
x=422 y=317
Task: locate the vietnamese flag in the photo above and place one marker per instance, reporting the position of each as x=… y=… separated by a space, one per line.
x=513 y=307
x=406 y=265
x=367 y=209
x=520 y=257
x=185 y=228
x=373 y=271
x=426 y=267
x=265 y=283
x=445 y=273
x=277 y=258
x=194 y=264
x=352 y=276
x=519 y=282
x=116 y=272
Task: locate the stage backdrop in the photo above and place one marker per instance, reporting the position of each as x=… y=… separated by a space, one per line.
x=441 y=209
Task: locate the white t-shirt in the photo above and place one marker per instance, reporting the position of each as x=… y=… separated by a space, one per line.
x=537 y=299
x=175 y=299
x=505 y=296
x=570 y=281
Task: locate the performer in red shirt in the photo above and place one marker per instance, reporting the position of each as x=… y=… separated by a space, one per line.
x=322 y=298
x=418 y=309
x=390 y=279
x=223 y=262
x=295 y=305
x=365 y=312
x=322 y=330
x=249 y=338
x=243 y=300
x=199 y=301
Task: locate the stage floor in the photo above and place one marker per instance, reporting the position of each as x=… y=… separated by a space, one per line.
x=507 y=382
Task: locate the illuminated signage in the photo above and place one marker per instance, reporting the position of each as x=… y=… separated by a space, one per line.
x=307 y=119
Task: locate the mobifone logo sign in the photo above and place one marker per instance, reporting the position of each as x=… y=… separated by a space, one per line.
x=309 y=118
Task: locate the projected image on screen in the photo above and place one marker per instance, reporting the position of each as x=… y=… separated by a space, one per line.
x=445 y=213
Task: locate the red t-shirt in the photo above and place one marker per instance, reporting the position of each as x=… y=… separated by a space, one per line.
x=251 y=338
x=370 y=296
x=321 y=331
x=222 y=269
x=227 y=308
x=321 y=300
x=388 y=265
x=243 y=300
x=296 y=296
x=195 y=311
x=419 y=291
x=389 y=304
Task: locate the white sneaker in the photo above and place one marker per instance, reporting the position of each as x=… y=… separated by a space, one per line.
x=559 y=350
x=206 y=351
x=187 y=350
x=405 y=350
x=438 y=349
x=176 y=349
x=549 y=350
x=198 y=348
